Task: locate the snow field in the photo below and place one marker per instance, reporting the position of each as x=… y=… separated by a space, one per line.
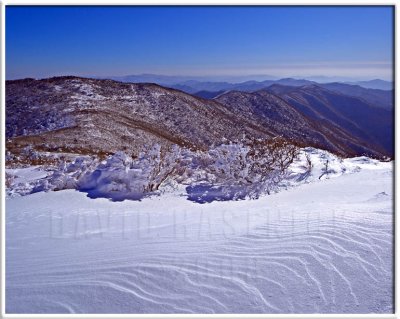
x=324 y=246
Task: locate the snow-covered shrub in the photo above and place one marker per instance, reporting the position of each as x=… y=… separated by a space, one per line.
x=9 y=180
x=219 y=174
x=226 y=163
x=122 y=176
x=68 y=175
x=117 y=176
x=9 y=157
x=227 y=171
x=30 y=153
x=246 y=170
x=162 y=165
x=270 y=156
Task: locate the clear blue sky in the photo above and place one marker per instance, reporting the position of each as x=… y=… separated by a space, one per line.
x=281 y=41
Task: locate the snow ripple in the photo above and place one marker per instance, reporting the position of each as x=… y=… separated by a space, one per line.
x=297 y=256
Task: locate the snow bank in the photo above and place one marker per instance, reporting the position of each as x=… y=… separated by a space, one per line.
x=226 y=172
x=314 y=164
x=23 y=181
x=120 y=177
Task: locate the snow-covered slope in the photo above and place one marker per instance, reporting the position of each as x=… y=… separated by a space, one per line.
x=324 y=245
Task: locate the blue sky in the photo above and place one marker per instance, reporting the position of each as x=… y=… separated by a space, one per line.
x=204 y=41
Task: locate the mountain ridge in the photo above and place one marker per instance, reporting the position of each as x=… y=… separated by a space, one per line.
x=82 y=115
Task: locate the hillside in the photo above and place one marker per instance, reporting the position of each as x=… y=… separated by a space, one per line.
x=79 y=115
x=74 y=115
x=317 y=117
x=355 y=117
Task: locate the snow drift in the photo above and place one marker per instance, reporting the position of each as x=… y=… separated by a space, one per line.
x=324 y=246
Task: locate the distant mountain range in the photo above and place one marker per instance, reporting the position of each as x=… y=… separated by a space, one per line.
x=376 y=92
x=92 y=116
x=176 y=79
x=198 y=83
x=374 y=84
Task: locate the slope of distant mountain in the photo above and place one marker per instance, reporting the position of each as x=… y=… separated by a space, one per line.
x=376 y=92
x=208 y=94
x=252 y=86
x=354 y=115
x=374 y=84
x=196 y=86
x=182 y=87
x=248 y=86
x=88 y=116
x=279 y=117
x=378 y=98
x=349 y=132
x=375 y=97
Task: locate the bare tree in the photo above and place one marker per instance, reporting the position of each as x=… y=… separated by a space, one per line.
x=309 y=164
x=325 y=169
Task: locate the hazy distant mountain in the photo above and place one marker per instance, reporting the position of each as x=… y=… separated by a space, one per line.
x=248 y=86
x=183 y=87
x=173 y=79
x=149 y=78
x=377 y=92
x=325 y=79
x=195 y=86
x=374 y=84
x=208 y=94
x=192 y=84
x=89 y=116
x=378 y=98
x=251 y=86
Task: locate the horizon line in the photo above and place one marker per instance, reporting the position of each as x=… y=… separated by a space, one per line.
x=208 y=77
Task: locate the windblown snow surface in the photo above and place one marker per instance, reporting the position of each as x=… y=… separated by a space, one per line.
x=322 y=244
